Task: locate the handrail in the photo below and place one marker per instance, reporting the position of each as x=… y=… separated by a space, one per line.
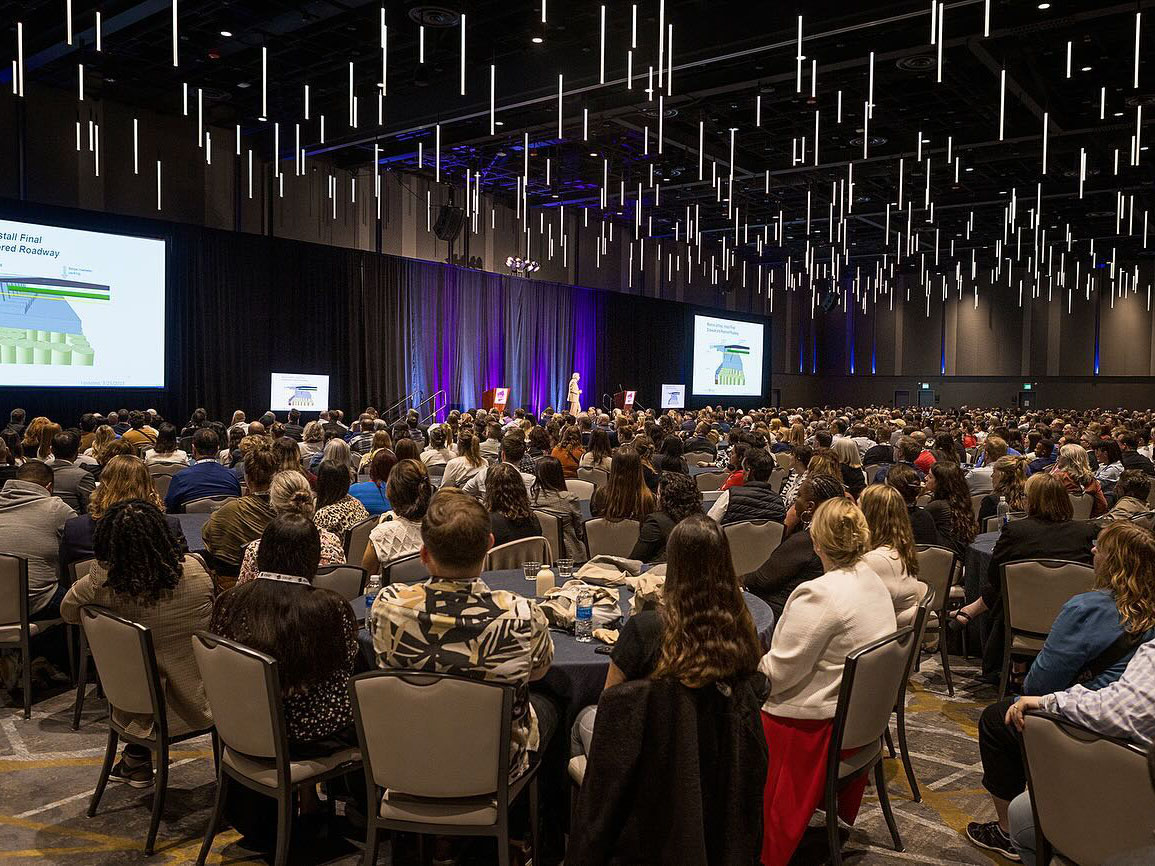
x=436 y=408
x=436 y=394
x=405 y=399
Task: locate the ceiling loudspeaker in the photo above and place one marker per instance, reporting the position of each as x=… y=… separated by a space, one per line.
x=450 y=219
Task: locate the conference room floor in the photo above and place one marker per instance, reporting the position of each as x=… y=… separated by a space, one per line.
x=47 y=773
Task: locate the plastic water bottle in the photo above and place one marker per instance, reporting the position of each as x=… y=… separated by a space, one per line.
x=1004 y=510
x=583 y=627
x=371 y=590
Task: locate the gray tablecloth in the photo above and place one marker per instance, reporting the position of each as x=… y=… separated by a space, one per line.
x=191 y=525
x=578 y=672
x=975 y=565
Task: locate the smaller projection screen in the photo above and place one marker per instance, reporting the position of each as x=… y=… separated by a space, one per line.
x=728 y=357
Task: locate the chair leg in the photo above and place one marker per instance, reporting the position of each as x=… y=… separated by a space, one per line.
x=534 y=825
x=884 y=802
x=26 y=660
x=503 y=858
x=889 y=741
x=905 y=752
x=945 y=656
x=81 y=685
x=372 y=840
x=159 y=788
x=284 y=826
x=1005 y=679
x=832 y=839
x=106 y=768
x=71 y=642
x=214 y=819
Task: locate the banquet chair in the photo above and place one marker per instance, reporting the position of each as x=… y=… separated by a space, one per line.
x=977 y=502
x=207 y=504
x=1034 y=591
x=357 y=538
x=581 y=489
x=513 y=554
x=693 y=458
x=161 y=483
x=866 y=698
x=871 y=471
x=596 y=477
x=707 y=481
x=1091 y=795
x=404 y=569
x=778 y=478
x=16 y=630
x=784 y=460
x=77 y=570
x=920 y=619
x=126 y=661
x=611 y=537
x=551 y=529
x=436 y=473
x=402 y=718
x=937 y=567
x=244 y=694
x=751 y=543
x=348 y=581
x=1082 y=504
x=1012 y=516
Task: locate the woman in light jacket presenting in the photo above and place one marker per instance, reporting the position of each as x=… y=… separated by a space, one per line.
x=574 y=395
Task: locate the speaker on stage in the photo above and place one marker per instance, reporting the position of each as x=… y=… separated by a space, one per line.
x=450 y=219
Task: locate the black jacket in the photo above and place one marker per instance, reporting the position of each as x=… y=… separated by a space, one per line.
x=506 y=530
x=879 y=454
x=700 y=443
x=1135 y=460
x=921 y=521
x=675 y=775
x=754 y=500
x=651 y=546
x=1032 y=538
x=792 y=563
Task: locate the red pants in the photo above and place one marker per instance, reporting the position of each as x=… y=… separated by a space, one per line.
x=795 y=779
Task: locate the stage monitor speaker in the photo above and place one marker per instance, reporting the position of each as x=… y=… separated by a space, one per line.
x=450 y=219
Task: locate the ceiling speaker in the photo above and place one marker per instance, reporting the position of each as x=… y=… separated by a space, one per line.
x=449 y=222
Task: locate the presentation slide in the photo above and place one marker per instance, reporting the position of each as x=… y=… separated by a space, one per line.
x=80 y=309
x=673 y=396
x=727 y=357
x=308 y=392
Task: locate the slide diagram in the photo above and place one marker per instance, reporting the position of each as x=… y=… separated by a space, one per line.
x=302 y=395
x=730 y=371
x=306 y=392
x=38 y=324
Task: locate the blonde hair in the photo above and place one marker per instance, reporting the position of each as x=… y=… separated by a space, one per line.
x=847 y=452
x=289 y=493
x=841 y=530
x=1125 y=565
x=1008 y=479
x=1047 y=498
x=889 y=523
x=103 y=435
x=1073 y=461
x=123 y=478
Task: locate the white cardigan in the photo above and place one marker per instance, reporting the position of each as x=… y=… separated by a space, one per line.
x=906 y=592
x=825 y=619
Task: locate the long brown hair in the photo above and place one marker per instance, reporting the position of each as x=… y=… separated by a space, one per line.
x=1125 y=565
x=1008 y=479
x=889 y=523
x=626 y=495
x=122 y=479
x=951 y=488
x=505 y=492
x=707 y=631
x=1047 y=498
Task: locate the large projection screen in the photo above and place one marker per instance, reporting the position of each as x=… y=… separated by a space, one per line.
x=728 y=357
x=80 y=309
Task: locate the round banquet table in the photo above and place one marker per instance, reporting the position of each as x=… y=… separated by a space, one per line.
x=975 y=565
x=578 y=672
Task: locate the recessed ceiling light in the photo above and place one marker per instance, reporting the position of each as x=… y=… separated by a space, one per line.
x=226 y=33
x=593 y=154
x=1086 y=69
x=970 y=168
x=537 y=40
x=1118 y=114
x=1044 y=6
x=499 y=123
x=243 y=85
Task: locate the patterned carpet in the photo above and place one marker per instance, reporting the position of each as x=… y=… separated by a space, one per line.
x=47 y=772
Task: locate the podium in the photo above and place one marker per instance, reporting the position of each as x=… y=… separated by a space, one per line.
x=624 y=400
x=495 y=399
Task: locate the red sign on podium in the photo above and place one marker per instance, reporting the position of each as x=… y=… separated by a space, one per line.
x=495 y=399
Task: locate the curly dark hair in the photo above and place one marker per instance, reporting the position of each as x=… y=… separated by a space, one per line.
x=409 y=490
x=678 y=496
x=133 y=543
x=505 y=492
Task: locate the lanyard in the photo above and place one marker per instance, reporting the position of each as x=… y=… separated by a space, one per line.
x=284 y=578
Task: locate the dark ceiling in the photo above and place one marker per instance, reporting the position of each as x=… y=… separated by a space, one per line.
x=727 y=56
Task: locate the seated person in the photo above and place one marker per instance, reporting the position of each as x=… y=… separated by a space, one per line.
x=204 y=477
x=123 y=479
x=166 y=449
x=824 y=620
x=906 y=452
x=1074 y=471
x=31 y=524
x=793 y=562
x=1110 y=460
x=1047 y=532
x=1045 y=457
x=371 y=493
x=289 y=493
x=435 y=453
x=994 y=448
x=242 y=520
x=337 y=511
x=598 y=455
x=800 y=457
x=498 y=636
x=1131 y=492
x=905 y=480
x=893 y=555
x=673 y=656
x=1008 y=478
x=466 y=464
x=551 y=496
x=950 y=506
x=70 y=481
x=1122 y=709
x=700 y=441
x=399 y=532
x=678 y=498
x=163 y=588
x=508 y=505
x=569 y=451
x=753 y=500
x=512 y=451
x=625 y=496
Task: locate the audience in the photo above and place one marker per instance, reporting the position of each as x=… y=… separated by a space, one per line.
x=289 y=494
x=849 y=465
x=1131 y=493
x=435 y=453
x=979 y=478
x=205 y=477
x=31 y=524
x=242 y=520
x=671 y=459
x=371 y=493
x=337 y=511
x=1073 y=470
x=468 y=462
x=1110 y=460
x=597 y=456
x=905 y=480
x=399 y=532
x=1008 y=479
x=508 y=504
x=166 y=450
x=755 y=498
x=144 y=575
x=72 y=483
x=893 y=555
x=569 y=451
x=125 y=479
x=550 y=495
x=824 y=620
x=950 y=506
x=625 y=496
x=678 y=498
x=512 y=450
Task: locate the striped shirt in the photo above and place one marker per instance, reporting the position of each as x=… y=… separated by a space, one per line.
x=1123 y=709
